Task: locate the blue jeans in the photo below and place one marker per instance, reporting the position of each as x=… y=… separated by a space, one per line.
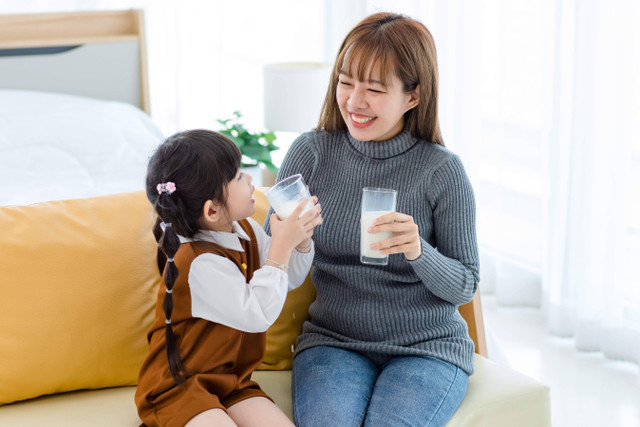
x=342 y=388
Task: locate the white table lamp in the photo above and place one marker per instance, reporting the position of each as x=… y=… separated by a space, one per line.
x=293 y=95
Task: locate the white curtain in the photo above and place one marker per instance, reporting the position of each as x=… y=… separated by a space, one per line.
x=592 y=274
x=542 y=101
x=540 y=98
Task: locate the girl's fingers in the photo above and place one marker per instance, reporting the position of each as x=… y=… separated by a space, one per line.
x=311 y=213
x=317 y=220
x=297 y=212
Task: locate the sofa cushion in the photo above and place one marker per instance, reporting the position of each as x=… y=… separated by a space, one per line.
x=497 y=396
x=83 y=271
x=78 y=280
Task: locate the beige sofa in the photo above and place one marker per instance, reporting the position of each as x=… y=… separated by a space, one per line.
x=79 y=283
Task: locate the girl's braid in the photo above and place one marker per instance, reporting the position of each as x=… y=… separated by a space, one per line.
x=168 y=245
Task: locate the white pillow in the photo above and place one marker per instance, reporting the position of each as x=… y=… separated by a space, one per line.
x=55 y=146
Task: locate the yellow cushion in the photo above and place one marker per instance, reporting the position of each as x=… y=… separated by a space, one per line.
x=282 y=335
x=78 y=283
x=79 y=280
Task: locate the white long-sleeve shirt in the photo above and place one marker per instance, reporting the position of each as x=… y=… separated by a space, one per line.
x=220 y=293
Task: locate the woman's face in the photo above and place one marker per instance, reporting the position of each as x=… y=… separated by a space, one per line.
x=372 y=110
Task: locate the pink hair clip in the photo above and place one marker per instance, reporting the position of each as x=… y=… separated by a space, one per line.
x=166 y=187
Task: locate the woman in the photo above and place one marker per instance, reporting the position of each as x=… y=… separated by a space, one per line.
x=385 y=345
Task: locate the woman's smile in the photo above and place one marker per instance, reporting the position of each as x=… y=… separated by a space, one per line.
x=361 y=121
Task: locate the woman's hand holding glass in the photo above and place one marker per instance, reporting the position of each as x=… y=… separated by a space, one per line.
x=406 y=237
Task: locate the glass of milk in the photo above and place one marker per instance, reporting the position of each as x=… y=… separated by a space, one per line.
x=375 y=203
x=287 y=194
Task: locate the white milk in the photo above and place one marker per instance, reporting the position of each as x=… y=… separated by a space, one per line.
x=287 y=209
x=366 y=220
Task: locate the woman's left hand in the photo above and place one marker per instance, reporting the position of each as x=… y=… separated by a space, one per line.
x=406 y=237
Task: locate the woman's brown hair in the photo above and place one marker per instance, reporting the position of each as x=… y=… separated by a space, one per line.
x=402 y=46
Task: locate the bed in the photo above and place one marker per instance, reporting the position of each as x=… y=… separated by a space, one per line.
x=74 y=105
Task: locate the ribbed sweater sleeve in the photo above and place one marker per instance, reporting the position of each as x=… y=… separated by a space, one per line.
x=451 y=269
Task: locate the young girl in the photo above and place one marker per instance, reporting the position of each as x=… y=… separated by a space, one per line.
x=385 y=345
x=224 y=283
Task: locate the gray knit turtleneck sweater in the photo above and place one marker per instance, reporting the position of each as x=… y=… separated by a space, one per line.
x=406 y=307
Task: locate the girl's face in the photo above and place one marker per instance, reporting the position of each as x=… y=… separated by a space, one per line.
x=240 y=203
x=372 y=110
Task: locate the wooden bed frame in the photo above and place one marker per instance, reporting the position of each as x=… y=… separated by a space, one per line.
x=95 y=54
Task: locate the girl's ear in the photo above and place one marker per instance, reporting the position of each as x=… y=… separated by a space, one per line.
x=210 y=212
x=414 y=98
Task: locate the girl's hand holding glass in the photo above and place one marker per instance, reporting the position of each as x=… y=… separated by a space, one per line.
x=296 y=230
x=406 y=237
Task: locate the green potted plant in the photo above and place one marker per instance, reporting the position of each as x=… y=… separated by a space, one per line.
x=256 y=147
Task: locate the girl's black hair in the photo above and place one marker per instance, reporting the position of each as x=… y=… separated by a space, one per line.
x=200 y=163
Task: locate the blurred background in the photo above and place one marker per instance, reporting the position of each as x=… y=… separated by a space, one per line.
x=541 y=99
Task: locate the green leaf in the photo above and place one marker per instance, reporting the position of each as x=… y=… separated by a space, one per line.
x=269 y=137
x=270 y=166
x=238 y=141
x=256 y=147
x=265 y=156
x=249 y=141
x=240 y=128
x=255 y=152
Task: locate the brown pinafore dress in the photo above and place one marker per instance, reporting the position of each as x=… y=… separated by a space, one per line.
x=219 y=359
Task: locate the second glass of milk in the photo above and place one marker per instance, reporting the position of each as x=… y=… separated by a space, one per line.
x=375 y=203
x=287 y=194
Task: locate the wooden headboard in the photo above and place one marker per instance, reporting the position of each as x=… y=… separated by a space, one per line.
x=95 y=54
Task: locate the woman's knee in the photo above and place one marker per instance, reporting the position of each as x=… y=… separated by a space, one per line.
x=331 y=384
x=416 y=391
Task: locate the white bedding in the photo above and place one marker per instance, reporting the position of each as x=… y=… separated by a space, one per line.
x=55 y=146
